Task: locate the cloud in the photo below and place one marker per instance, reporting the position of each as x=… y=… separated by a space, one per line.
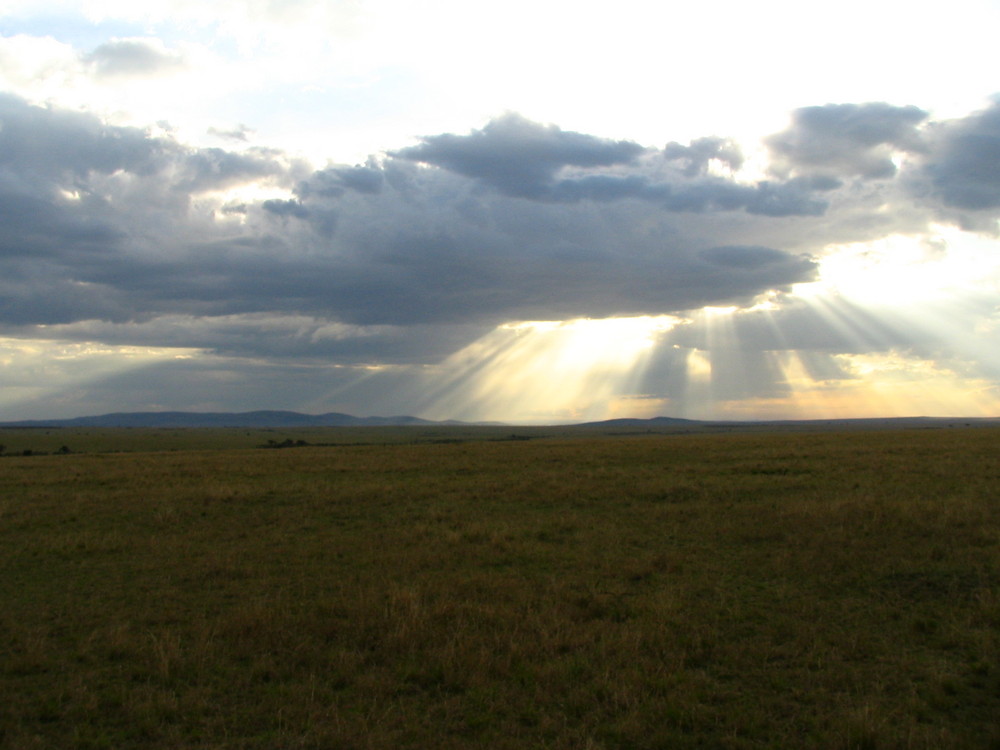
x=216 y=169
x=240 y=133
x=133 y=57
x=47 y=149
x=276 y=337
x=523 y=159
x=964 y=166
x=92 y=212
x=702 y=152
x=333 y=181
x=50 y=146
x=742 y=257
x=115 y=233
x=519 y=157
x=285 y=208
x=846 y=140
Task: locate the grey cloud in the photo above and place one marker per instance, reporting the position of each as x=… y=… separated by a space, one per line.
x=124 y=227
x=133 y=57
x=964 y=165
x=382 y=244
x=40 y=293
x=701 y=152
x=517 y=156
x=743 y=256
x=333 y=181
x=216 y=169
x=846 y=140
x=766 y=198
x=285 y=208
x=429 y=265
x=792 y=198
x=47 y=149
x=48 y=146
x=34 y=227
x=526 y=160
x=279 y=337
x=102 y=206
x=606 y=188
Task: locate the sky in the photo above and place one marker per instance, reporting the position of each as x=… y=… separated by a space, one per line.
x=532 y=212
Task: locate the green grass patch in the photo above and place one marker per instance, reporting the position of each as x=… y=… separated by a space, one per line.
x=829 y=590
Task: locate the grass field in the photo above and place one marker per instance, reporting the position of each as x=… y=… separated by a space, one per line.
x=827 y=590
x=153 y=439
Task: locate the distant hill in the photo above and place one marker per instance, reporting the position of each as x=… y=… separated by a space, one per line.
x=659 y=424
x=288 y=419
x=223 y=419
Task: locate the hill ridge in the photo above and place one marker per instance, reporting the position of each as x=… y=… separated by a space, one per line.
x=255 y=418
x=277 y=418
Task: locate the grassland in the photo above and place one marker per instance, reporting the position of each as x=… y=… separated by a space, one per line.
x=42 y=440
x=828 y=590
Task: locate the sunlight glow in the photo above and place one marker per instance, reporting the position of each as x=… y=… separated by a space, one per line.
x=871 y=299
x=905 y=270
x=29 y=368
x=545 y=370
x=894 y=384
x=883 y=317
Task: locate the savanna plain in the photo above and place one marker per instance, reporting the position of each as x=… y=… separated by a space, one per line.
x=766 y=590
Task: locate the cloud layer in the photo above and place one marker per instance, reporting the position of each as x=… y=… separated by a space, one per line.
x=128 y=236
x=511 y=222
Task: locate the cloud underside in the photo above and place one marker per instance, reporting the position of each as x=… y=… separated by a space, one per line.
x=116 y=234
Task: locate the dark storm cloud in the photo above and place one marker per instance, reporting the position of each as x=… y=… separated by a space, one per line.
x=846 y=140
x=516 y=221
x=132 y=57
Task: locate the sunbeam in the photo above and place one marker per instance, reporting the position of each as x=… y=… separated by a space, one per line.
x=545 y=371
x=28 y=367
x=858 y=342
